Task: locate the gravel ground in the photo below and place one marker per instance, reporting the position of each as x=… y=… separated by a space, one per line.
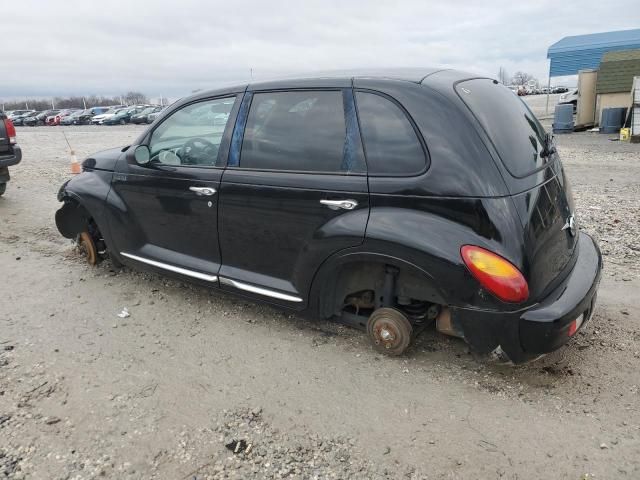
x=197 y=384
x=538 y=104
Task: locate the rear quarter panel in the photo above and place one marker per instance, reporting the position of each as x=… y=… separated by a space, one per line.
x=429 y=231
x=460 y=199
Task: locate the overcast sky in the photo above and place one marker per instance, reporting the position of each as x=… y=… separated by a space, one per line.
x=174 y=47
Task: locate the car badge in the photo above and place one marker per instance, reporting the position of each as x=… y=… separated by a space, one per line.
x=570 y=225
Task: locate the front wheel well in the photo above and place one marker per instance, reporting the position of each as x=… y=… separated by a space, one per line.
x=75 y=222
x=72 y=218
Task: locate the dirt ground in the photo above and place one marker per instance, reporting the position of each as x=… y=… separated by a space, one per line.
x=86 y=394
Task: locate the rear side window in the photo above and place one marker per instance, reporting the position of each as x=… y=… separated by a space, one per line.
x=391 y=144
x=512 y=128
x=296 y=131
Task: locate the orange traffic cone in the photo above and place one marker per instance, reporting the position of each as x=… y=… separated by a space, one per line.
x=75 y=165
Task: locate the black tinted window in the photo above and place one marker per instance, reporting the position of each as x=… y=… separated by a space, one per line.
x=391 y=144
x=295 y=131
x=514 y=130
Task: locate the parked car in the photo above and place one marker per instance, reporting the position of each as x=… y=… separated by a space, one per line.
x=19 y=119
x=124 y=115
x=560 y=90
x=152 y=116
x=143 y=116
x=53 y=120
x=73 y=118
x=570 y=97
x=38 y=119
x=42 y=118
x=87 y=115
x=99 y=119
x=68 y=113
x=31 y=120
x=17 y=113
x=10 y=153
x=478 y=236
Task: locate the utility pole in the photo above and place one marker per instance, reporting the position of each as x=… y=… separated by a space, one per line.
x=546 y=109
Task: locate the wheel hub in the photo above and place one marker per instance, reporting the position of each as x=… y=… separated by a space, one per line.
x=389 y=330
x=386 y=333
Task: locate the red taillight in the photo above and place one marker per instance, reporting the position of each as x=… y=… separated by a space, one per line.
x=11 y=130
x=575 y=325
x=495 y=274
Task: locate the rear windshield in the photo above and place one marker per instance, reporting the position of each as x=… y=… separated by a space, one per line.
x=512 y=128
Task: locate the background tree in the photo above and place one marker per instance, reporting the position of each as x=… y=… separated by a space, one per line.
x=76 y=101
x=135 y=98
x=521 y=78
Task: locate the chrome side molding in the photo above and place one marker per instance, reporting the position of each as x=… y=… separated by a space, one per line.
x=259 y=290
x=214 y=278
x=172 y=268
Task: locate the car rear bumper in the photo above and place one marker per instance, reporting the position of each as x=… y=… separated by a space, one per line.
x=8 y=160
x=545 y=326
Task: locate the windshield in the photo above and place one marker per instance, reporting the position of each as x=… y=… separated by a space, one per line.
x=515 y=132
x=147 y=110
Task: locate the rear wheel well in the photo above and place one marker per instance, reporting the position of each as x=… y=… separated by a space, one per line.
x=354 y=290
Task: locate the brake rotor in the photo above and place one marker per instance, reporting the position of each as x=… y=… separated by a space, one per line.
x=389 y=330
x=87 y=247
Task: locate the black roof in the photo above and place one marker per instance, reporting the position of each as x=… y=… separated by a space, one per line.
x=415 y=75
x=438 y=78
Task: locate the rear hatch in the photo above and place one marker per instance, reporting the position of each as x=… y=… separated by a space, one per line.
x=535 y=178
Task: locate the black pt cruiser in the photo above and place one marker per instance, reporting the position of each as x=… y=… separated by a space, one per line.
x=389 y=201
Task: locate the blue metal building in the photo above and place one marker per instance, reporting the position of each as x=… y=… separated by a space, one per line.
x=582 y=52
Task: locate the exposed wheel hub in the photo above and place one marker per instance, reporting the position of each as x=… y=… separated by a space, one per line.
x=386 y=335
x=389 y=330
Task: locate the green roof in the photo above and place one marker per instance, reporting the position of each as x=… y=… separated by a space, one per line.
x=617 y=70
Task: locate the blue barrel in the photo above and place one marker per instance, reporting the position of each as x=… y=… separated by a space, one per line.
x=612 y=119
x=563 y=118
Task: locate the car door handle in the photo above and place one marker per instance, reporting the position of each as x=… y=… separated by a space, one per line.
x=343 y=204
x=203 y=190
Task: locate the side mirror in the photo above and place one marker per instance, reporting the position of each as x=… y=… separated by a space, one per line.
x=142 y=155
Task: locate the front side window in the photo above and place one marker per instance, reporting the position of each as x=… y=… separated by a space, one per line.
x=391 y=144
x=192 y=135
x=296 y=131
